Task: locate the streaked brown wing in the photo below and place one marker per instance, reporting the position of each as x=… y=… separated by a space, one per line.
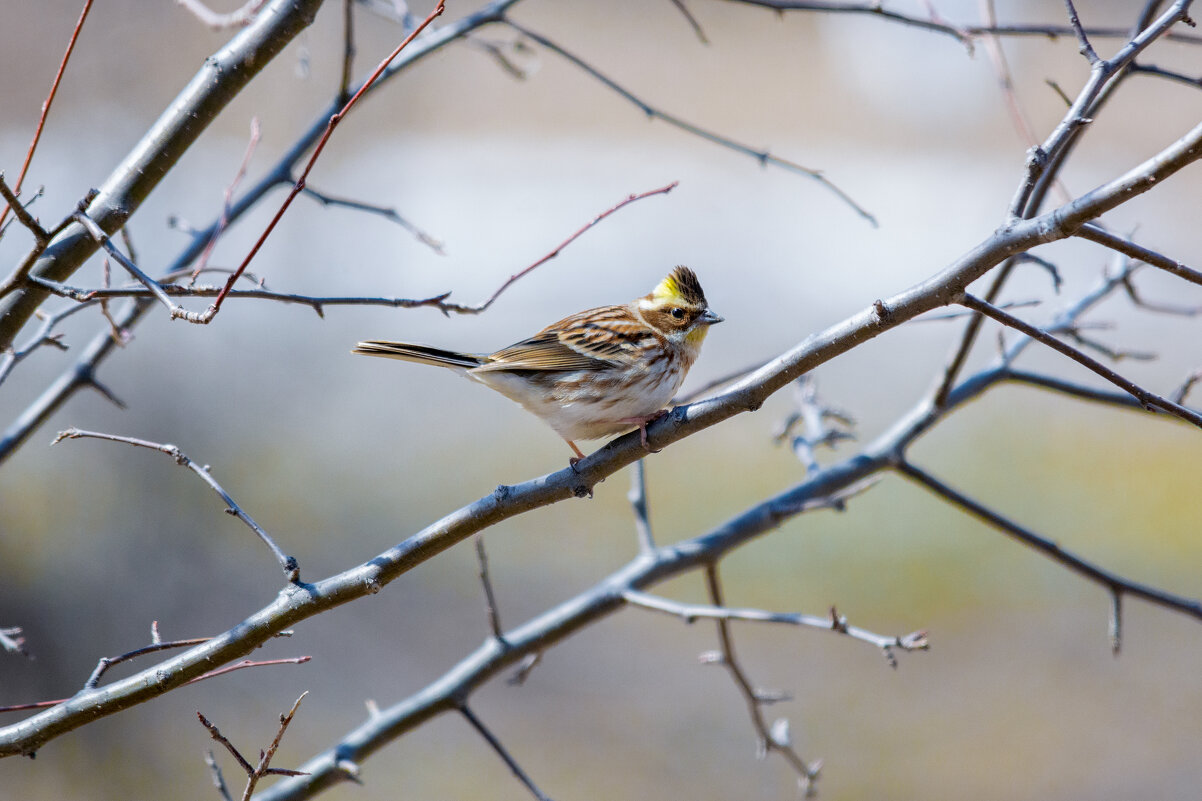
x=589 y=340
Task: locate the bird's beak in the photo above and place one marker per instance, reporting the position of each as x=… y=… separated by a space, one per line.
x=708 y=318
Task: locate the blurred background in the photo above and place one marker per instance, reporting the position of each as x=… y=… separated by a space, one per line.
x=341 y=457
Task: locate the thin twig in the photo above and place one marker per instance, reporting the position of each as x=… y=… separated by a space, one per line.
x=23 y=216
x=37 y=134
x=961 y=33
x=1095 y=233
x=770 y=740
x=1049 y=548
x=480 y=307
x=263 y=768
x=155 y=288
x=348 y=50
x=488 y=736
x=387 y=212
x=762 y=156
x=915 y=641
x=288 y=563
x=299 y=185
x=1082 y=37
x=1149 y=400
x=86 y=295
x=218 y=779
x=490 y=600
x=693 y=23
x=223 y=220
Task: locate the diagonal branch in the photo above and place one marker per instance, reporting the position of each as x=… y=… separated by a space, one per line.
x=288 y=563
x=491 y=739
x=1108 y=580
x=1149 y=400
x=762 y=156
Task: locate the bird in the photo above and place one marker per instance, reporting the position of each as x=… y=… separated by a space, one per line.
x=593 y=374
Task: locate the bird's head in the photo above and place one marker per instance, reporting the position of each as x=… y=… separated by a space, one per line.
x=678 y=309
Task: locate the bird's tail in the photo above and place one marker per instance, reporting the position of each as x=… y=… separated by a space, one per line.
x=421 y=354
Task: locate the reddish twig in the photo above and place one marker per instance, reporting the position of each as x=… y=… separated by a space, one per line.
x=58 y=77
x=228 y=201
x=663 y=190
x=246 y=663
x=250 y=663
x=299 y=186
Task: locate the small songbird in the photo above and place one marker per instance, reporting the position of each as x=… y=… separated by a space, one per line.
x=596 y=373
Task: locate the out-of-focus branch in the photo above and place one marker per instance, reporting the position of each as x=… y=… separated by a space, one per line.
x=386 y=212
x=961 y=33
x=12 y=642
x=762 y=156
x=774 y=739
x=218 y=21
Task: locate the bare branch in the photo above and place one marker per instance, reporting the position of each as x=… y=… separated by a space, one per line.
x=481 y=307
x=386 y=212
x=915 y=641
x=23 y=216
x=1095 y=233
x=490 y=600
x=762 y=156
x=37 y=133
x=693 y=23
x=1082 y=38
x=218 y=779
x=299 y=185
x=263 y=768
x=501 y=752
x=1148 y=399
x=770 y=740
x=1108 y=580
x=221 y=78
x=288 y=563
x=961 y=33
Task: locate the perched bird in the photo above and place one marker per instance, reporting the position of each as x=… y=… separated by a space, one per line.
x=596 y=373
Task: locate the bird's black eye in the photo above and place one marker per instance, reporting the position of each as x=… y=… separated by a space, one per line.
x=678 y=313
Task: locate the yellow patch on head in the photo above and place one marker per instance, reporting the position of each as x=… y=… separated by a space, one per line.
x=667 y=289
x=681 y=286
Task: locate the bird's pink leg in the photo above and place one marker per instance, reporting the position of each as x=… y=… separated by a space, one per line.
x=642 y=423
x=579 y=455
